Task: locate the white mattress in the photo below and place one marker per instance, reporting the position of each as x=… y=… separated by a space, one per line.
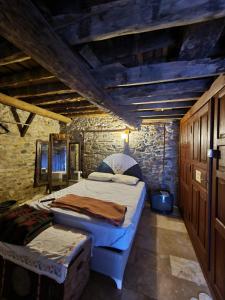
x=104 y=234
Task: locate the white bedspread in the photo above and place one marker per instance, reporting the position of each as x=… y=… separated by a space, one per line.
x=50 y=253
x=104 y=233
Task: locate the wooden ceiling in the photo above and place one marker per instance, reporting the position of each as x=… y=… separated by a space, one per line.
x=139 y=59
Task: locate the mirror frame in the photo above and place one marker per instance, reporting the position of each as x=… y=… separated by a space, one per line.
x=37 y=173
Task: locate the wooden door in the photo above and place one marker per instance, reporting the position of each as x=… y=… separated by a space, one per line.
x=199 y=204
x=218 y=201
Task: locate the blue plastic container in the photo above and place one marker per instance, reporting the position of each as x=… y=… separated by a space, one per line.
x=162 y=202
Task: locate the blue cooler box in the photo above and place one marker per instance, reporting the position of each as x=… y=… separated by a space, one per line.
x=162 y=202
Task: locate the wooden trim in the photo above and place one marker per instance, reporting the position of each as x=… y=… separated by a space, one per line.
x=10 y=101
x=217 y=85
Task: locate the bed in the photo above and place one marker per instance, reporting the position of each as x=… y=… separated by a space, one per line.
x=112 y=244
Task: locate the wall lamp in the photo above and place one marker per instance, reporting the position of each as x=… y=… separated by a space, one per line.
x=125 y=135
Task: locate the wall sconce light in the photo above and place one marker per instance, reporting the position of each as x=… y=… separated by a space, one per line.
x=125 y=135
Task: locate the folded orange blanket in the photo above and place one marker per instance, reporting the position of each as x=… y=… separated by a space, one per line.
x=112 y=212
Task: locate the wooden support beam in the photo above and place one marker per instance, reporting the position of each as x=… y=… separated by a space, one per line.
x=22 y=128
x=9 y=54
x=38 y=90
x=10 y=101
x=200 y=39
x=34 y=35
x=55 y=98
x=139 y=16
x=112 y=76
x=186 y=87
x=25 y=78
x=165 y=113
x=160 y=105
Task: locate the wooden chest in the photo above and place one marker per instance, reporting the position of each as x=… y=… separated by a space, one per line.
x=18 y=283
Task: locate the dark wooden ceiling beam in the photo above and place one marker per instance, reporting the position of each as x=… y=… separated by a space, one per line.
x=38 y=90
x=169 y=112
x=161 y=118
x=86 y=111
x=69 y=105
x=9 y=54
x=159 y=99
x=85 y=114
x=55 y=98
x=23 y=24
x=116 y=75
x=139 y=16
x=161 y=105
x=200 y=39
x=164 y=89
x=25 y=77
x=117 y=49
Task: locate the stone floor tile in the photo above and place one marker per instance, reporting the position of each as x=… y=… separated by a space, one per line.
x=187 y=269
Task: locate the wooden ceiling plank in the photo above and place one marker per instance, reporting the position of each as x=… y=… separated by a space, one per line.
x=164 y=89
x=54 y=98
x=26 y=77
x=200 y=39
x=139 y=16
x=159 y=99
x=117 y=49
x=161 y=105
x=85 y=114
x=69 y=105
x=34 y=35
x=161 y=113
x=161 y=118
x=38 y=90
x=13 y=102
x=160 y=72
x=9 y=54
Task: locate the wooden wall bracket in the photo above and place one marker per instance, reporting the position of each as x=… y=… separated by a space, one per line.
x=22 y=128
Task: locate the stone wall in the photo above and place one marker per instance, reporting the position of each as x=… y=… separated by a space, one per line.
x=17 y=155
x=159 y=163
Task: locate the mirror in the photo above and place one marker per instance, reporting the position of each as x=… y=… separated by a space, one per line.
x=58 y=162
x=41 y=165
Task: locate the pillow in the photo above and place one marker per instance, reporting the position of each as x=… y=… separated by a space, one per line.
x=131 y=180
x=99 y=176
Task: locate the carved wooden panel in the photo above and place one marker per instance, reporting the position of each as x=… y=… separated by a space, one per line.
x=221 y=116
x=195 y=140
x=203 y=137
x=194 y=207
x=220 y=203
x=219 y=266
x=202 y=219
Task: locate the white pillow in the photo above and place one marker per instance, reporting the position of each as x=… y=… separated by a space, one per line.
x=131 y=180
x=100 y=176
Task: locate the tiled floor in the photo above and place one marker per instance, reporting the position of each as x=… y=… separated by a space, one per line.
x=162 y=265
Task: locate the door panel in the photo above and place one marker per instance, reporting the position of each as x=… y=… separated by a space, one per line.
x=218 y=201
x=203 y=137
